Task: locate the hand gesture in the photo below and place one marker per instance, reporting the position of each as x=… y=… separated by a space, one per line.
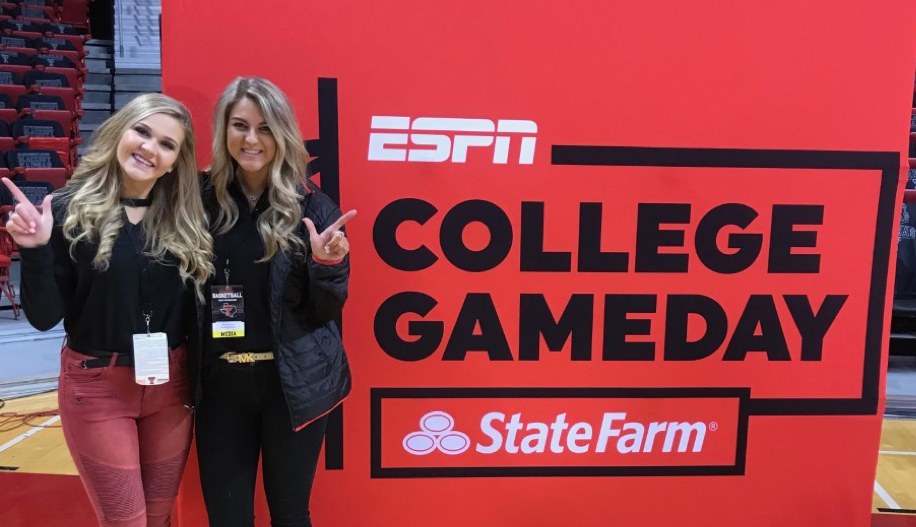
x=331 y=244
x=28 y=226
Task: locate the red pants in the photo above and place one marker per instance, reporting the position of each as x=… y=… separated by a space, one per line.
x=129 y=442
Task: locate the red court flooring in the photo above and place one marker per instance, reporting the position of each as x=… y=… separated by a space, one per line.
x=62 y=503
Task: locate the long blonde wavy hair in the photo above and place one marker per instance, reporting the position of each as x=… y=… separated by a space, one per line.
x=287 y=172
x=175 y=224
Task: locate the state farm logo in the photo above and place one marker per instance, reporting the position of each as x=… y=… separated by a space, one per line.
x=514 y=435
x=440 y=139
x=436 y=434
x=492 y=432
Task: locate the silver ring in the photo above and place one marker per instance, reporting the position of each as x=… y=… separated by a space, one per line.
x=327 y=249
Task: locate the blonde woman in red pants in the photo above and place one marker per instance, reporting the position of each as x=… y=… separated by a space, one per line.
x=121 y=255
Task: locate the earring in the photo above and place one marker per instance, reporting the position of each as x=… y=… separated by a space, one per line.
x=170 y=170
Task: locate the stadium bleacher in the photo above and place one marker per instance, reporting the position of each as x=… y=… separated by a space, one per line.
x=903 y=313
x=42 y=72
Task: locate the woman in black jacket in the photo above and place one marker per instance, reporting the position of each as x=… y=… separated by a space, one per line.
x=273 y=360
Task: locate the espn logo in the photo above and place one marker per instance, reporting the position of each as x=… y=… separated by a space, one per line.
x=440 y=139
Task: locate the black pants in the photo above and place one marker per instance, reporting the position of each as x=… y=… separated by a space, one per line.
x=243 y=415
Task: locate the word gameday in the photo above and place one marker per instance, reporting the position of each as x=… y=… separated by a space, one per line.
x=728 y=239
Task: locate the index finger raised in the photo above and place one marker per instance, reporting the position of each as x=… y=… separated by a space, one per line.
x=20 y=197
x=341 y=221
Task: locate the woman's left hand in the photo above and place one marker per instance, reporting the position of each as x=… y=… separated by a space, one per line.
x=332 y=244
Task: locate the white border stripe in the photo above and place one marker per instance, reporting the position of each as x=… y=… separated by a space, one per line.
x=30 y=433
x=885 y=496
x=896 y=453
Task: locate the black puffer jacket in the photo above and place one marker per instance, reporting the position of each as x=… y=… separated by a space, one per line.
x=305 y=298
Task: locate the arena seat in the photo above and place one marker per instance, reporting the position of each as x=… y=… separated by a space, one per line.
x=49 y=60
x=29 y=127
x=71 y=97
x=30 y=102
x=56 y=28
x=903 y=313
x=23 y=27
x=7 y=142
x=8 y=112
x=56 y=84
x=35 y=191
x=47 y=108
x=65 y=148
x=38 y=165
x=14 y=91
x=10 y=78
x=75 y=12
x=37 y=12
x=6 y=262
x=19 y=44
x=55 y=43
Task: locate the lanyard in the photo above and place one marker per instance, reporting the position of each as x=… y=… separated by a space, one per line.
x=143 y=266
x=224 y=242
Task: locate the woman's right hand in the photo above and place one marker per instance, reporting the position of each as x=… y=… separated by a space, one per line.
x=28 y=226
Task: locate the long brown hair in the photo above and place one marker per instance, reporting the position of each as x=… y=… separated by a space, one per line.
x=287 y=172
x=175 y=223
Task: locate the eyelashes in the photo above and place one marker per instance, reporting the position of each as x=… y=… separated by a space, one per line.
x=144 y=132
x=243 y=127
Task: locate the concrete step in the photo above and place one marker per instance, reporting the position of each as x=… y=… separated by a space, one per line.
x=99 y=52
x=94 y=117
x=97 y=106
x=96 y=97
x=145 y=30
x=99 y=78
x=94 y=64
x=140 y=71
x=140 y=83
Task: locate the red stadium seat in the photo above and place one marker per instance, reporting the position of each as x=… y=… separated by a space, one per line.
x=75 y=12
x=38 y=165
x=74 y=76
x=65 y=148
x=18 y=69
x=78 y=41
x=6 y=262
x=70 y=96
x=13 y=90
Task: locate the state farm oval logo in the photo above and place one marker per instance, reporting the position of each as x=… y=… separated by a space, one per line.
x=494 y=432
x=436 y=433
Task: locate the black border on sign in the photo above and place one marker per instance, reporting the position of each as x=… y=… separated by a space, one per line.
x=886 y=163
x=330 y=184
x=379 y=472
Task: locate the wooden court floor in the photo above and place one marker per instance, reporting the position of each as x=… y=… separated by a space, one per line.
x=41 y=450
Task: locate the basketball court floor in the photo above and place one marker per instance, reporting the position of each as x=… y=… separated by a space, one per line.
x=41 y=487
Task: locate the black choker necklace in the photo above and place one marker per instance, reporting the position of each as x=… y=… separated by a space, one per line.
x=136 y=202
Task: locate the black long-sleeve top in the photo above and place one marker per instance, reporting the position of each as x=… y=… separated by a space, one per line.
x=101 y=310
x=241 y=247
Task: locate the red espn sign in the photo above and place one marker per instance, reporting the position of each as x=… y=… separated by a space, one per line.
x=574 y=211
